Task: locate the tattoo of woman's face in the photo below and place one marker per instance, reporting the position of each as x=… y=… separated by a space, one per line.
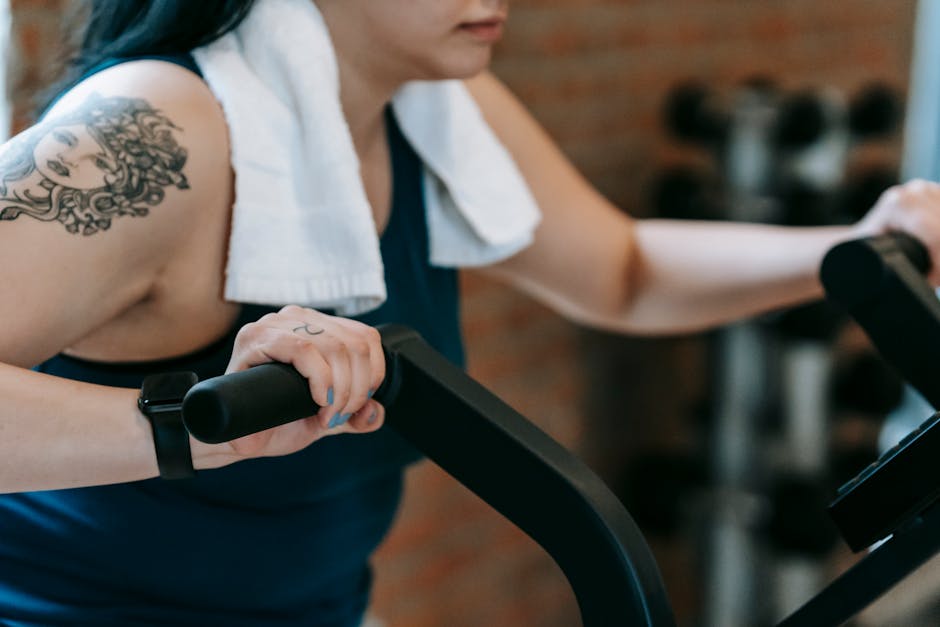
x=111 y=157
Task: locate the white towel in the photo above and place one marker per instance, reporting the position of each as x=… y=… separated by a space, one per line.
x=302 y=228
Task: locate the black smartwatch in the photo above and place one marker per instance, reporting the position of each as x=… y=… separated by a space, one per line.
x=161 y=401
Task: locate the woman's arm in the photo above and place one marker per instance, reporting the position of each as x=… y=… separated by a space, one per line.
x=97 y=200
x=56 y=433
x=595 y=264
x=128 y=173
x=73 y=259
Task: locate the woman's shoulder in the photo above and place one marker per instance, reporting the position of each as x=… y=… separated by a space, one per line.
x=124 y=180
x=147 y=120
x=158 y=108
x=161 y=87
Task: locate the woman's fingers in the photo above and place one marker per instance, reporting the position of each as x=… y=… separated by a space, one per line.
x=376 y=355
x=369 y=418
x=366 y=368
x=294 y=436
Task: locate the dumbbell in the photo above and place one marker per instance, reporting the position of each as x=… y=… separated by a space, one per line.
x=819 y=322
x=684 y=193
x=692 y=116
x=801 y=120
x=875 y=111
x=862 y=191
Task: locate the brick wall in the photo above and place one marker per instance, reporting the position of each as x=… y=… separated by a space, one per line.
x=37 y=51
x=594 y=72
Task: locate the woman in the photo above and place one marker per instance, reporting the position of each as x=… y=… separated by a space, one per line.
x=277 y=528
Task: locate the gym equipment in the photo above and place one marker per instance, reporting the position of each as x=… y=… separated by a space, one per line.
x=884 y=270
x=797 y=523
x=866 y=384
x=788 y=146
x=553 y=497
x=684 y=193
x=739 y=134
x=487 y=446
x=875 y=111
x=862 y=191
x=878 y=280
x=815 y=322
x=692 y=116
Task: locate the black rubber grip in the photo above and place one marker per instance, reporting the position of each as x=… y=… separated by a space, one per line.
x=858 y=271
x=914 y=250
x=238 y=404
x=880 y=282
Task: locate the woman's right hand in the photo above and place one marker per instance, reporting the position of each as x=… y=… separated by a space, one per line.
x=343 y=361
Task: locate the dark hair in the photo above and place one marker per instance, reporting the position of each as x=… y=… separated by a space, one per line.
x=129 y=28
x=125 y=28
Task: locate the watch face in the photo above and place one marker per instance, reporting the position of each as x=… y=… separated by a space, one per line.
x=169 y=387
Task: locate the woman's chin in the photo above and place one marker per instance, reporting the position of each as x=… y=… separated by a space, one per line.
x=464 y=66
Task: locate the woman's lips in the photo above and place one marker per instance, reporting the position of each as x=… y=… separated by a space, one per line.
x=488 y=31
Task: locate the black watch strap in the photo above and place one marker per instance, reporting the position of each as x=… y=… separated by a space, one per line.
x=161 y=401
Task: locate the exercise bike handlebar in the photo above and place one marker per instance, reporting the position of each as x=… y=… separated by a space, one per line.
x=483 y=443
x=228 y=407
x=552 y=496
x=880 y=282
x=893 y=500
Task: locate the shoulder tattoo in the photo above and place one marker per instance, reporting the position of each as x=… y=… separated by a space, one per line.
x=111 y=157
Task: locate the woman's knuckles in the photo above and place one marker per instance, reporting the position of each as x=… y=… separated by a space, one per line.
x=293 y=311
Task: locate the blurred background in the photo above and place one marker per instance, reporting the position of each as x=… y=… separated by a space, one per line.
x=789 y=111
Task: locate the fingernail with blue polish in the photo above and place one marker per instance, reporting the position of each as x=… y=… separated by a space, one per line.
x=329 y=396
x=371 y=392
x=334 y=422
x=373 y=417
x=344 y=418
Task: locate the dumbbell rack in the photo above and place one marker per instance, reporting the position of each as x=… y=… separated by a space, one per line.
x=555 y=499
x=781 y=158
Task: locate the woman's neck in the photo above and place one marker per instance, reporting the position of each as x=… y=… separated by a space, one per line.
x=363 y=99
x=367 y=81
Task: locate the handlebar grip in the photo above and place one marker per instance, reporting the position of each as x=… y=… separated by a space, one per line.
x=914 y=250
x=860 y=271
x=241 y=403
x=880 y=282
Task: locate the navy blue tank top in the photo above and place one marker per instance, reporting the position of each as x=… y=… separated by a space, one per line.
x=273 y=541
